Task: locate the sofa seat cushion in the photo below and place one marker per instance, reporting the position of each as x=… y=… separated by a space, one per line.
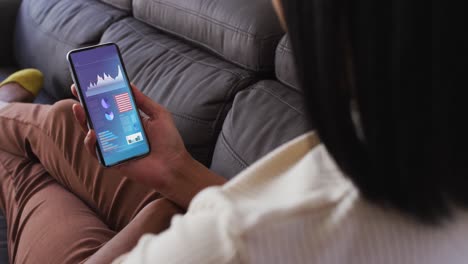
x=244 y=32
x=195 y=86
x=47 y=29
x=261 y=119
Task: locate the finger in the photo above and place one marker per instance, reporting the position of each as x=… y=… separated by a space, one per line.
x=90 y=142
x=146 y=123
x=146 y=104
x=74 y=91
x=80 y=117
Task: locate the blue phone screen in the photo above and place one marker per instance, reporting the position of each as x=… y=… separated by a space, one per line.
x=110 y=105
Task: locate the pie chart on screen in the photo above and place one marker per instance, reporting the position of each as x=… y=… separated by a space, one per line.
x=105 y=103
x=109 y=115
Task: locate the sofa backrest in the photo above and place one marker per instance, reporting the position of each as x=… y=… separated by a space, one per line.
x=244 y=32
x=47 y=29
x=263 y=117
x=173 y=52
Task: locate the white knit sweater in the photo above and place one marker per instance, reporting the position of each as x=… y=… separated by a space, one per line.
x=295 y=206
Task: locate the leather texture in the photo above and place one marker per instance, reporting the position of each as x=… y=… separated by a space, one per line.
x=47 y=29
x=285 y=64
x=125 y=5
x=7 y=24
x=262 y=118
x=195 y=86
x=244 y=32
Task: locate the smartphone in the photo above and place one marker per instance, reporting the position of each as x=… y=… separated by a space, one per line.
x=107 y=98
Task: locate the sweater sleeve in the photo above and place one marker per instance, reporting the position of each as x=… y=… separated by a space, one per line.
x=202 y=237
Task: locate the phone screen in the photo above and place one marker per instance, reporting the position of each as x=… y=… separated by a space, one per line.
x=106 y=95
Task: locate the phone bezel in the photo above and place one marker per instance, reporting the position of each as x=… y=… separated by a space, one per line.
x=83 y=102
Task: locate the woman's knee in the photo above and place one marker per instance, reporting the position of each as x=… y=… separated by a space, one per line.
x=62 y=109
x=60 y=117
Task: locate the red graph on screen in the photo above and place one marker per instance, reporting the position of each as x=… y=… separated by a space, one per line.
x=123 y=102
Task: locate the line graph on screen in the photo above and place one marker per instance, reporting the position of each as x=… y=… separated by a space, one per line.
x=106 y=83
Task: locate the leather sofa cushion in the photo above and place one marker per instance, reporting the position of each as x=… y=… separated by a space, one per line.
x=285 y=64
x=244 y=32
x=261 y=119
x=121 y=4
x=47 y=29
x=195 y=86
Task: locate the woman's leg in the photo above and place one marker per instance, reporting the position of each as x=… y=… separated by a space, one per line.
x=50 y=135
x=46 y=223
x=13 y=92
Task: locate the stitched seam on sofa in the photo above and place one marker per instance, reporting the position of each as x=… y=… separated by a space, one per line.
x=284 y=81
x=239 y=75
x=234 y=88
x=44 y=30
x=224 y=111
x=208 y=48
x=49 y=33
x=118 y=5
x=261 y=87
x=214 y=21
x=287 y=49
x=278 y=55
x=284 y=45
x=193 y=119
x=259 y=66
x=282 y=54
x=226 y=97
x=287 y=83
x=214 y=50
x=236 y=157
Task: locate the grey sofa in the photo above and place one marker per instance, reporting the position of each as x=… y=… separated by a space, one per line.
x=223 y=67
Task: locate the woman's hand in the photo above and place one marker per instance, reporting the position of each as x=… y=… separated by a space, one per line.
x=169 y=168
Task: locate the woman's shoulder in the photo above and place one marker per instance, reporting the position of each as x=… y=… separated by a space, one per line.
x=298 y=176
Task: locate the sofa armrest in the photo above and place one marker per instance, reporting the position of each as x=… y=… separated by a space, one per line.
x=9 y=10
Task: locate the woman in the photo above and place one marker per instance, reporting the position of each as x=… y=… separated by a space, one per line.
x=385 y=185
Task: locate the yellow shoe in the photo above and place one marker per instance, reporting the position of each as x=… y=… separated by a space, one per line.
x=30 y=79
